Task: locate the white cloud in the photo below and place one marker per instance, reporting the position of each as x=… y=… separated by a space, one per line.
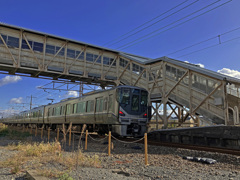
x=7 y=112
x=72 y=93
x=230 y=72
x=9 y=79
x=16 y=100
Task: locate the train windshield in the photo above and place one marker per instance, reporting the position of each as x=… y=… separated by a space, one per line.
x=133 y=100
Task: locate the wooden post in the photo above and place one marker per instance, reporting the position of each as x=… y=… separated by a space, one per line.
x=145 y=148
x=48 y=134
x=31 y=130
x=36 y=131
x=109 y=143
x=57 y=134
x=86 y=139
x=23 y=128
x=70 y=133
x=41 y=132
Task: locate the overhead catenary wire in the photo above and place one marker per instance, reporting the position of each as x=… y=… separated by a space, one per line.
x=211 y=46
x=204 y=41
x=150 y=24
x=132 y=43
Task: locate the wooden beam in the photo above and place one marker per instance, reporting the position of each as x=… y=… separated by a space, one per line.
x=83 y=50
x=139 y=77
x=15 y=62
x=207 y=98
x=177 y=83
x=124 y=70
x=56 y=54
x=110 y=67
x=35 y=57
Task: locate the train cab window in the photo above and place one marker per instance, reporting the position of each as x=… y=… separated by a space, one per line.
x=135 y=102
x=68 y=111
x=124 y=96
x=99 y=104
x=74 y=108
x=90 y=105
x=144 y=98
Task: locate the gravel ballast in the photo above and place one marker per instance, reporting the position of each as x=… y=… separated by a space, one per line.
x=127 y=162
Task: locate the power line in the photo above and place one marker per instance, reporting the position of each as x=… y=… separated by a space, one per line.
x=204 y=41
x=145 y=23
x=210 y=46
x=152 y=23
x=127 y=45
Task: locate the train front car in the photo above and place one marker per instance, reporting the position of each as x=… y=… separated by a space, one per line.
x=133 y=107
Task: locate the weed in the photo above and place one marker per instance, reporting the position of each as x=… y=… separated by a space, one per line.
x=12 y=134
x=65 y=176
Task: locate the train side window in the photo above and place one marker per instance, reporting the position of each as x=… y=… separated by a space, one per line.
x=53 y=112
x=99 y=104
x=75 y=108
x=90 y=105
x=105 y=104
x=68 y=109
x=81 y=107
x=49 y=111
x=110 y=104
x=58 y=111
x=61 y=110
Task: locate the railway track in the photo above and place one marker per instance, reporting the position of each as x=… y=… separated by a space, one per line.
x=186 y=146
x=170 y=144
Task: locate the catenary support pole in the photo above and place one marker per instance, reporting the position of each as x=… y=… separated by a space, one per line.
x=86 y=139
x=48 y=134
x=145 y=148
x=109 y=143
x=70 y=133
x=58 y=134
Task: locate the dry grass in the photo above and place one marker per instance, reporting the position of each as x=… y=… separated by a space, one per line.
x=39 y=155
x=12 y=134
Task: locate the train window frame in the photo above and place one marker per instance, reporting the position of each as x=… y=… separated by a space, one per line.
x=68 y=109
x=135 y=106
x=110 y=103
x=74 y=110
x=99 y=104
x=90 y=106
x=105 y=103
x=144 y=101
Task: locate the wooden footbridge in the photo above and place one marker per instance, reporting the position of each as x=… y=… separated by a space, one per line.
x=186 y=89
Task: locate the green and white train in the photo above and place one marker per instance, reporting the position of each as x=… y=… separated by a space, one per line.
x=122 y=110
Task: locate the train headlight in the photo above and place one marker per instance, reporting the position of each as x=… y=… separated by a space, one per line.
x=145 y=115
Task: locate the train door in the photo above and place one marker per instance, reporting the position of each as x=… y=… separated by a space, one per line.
x=99 y=110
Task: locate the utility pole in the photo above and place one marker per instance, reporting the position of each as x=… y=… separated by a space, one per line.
x=81 y=89
x=31 y=98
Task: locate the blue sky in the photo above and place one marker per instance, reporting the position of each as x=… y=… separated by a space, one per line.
x=99 y=22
